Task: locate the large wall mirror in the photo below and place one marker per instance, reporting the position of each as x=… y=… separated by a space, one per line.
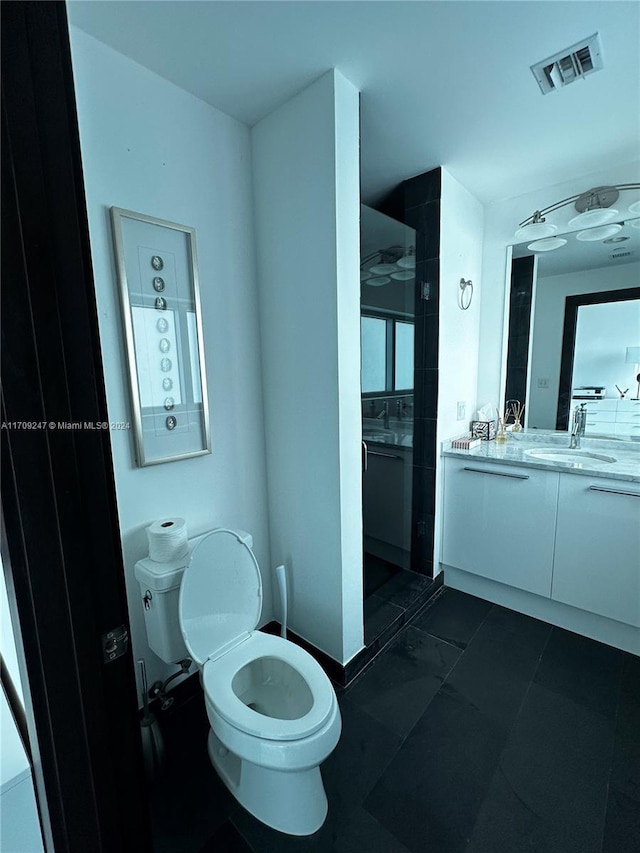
x=573 y=330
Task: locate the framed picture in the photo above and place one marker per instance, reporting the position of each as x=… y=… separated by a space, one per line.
x=158 y=279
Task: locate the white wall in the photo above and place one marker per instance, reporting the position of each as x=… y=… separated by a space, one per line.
x=151 y=147
x=548 y=325
x=461 y=236
x=306 y=195
x=501 y=221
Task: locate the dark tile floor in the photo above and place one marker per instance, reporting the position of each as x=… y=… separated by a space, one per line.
x=392 y=595
x=478 y=730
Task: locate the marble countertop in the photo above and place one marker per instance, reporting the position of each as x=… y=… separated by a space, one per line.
x=514 y=452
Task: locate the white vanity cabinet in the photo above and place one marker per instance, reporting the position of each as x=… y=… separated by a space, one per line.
x=499 y=522
x=597 y=551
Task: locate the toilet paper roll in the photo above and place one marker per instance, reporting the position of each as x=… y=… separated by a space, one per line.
x=167 y=539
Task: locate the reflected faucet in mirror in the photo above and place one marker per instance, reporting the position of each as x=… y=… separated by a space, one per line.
x=384 y=414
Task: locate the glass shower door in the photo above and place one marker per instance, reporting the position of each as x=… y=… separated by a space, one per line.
x=387 y=321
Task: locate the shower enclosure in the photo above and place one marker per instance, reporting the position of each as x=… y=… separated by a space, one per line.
x=387 y=314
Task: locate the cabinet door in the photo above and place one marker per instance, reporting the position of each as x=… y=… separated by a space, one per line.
x=597 y=556
x=499 y=522
x=386 y=505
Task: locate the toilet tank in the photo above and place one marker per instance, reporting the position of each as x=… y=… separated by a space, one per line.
x=159 y=591
x=159 y=594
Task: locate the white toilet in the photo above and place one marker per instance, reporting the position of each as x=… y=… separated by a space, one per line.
x=273 y=712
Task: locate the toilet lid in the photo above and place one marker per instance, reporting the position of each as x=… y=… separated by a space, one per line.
x=220 y=596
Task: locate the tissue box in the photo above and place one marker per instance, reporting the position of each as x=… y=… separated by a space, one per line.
x=485 y=430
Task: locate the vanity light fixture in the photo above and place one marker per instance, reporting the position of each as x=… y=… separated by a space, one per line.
x=594 y=207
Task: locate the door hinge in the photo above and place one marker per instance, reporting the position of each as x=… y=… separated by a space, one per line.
x=114 y=643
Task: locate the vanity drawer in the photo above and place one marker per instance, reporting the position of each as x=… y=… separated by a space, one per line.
x=597 y=405
x=499 y=522
x=597 y=550
x=627 y=430
x=603 y=416
x=628 y=416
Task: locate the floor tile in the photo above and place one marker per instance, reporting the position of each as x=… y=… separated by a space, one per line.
x=403 y=680
x=549 y=791
x=622 y=827
x=453 y=751
x=625 y=772
x=363 y=834
x=227 y=840
x=495 y=670
x=403 y=588
x=456 y=618
x=583 y=670
x=379 y=614
x=431 y=792
x=365 y=749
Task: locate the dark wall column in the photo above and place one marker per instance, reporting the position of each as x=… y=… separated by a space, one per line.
x=416 y=202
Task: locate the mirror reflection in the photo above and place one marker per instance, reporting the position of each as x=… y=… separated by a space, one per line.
x=574 y=330
x=387 y=314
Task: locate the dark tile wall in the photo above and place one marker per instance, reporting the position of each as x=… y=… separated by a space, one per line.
x=416 y=202
x=520 y=299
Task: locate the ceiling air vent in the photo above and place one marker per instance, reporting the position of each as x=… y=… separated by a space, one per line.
x=569 y=64
x=616 y=255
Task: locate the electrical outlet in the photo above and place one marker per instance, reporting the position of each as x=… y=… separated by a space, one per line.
x=461 y=409
x=543 y=381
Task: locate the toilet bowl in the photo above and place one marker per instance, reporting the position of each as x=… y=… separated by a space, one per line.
x=273 y=712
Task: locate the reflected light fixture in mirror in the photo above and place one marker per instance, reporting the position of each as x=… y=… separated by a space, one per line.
x=590 y=235
x=547 y=245
x=394 y=263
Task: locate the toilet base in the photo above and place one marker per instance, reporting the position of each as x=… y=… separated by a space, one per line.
x=293 y=802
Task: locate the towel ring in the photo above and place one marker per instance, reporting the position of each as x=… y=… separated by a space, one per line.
x=464 y=286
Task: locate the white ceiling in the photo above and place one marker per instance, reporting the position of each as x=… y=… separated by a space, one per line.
x=443 y=83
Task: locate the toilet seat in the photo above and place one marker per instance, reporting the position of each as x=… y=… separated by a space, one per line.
x=219 y=607
x=218 y=678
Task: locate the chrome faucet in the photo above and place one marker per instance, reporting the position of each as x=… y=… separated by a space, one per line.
x=578 y=425
x=385 y=414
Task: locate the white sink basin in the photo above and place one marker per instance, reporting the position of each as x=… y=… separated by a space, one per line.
x=582 y=458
